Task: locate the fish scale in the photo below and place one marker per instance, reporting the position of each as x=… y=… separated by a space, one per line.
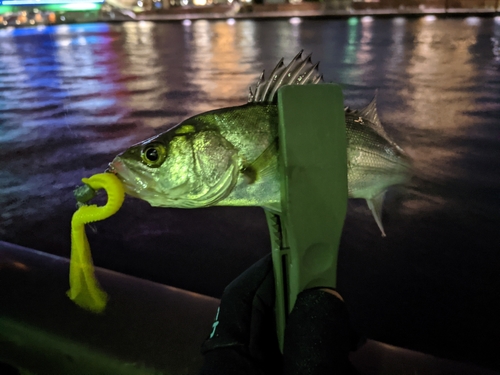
x=237 y=164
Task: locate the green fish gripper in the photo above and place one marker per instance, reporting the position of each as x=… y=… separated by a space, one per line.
x=313 y=167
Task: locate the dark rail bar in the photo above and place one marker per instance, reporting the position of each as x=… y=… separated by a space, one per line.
x=147 y=328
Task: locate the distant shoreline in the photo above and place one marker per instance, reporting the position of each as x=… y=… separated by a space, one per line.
x=309 y=10
x=318 y=14
x=255 y=12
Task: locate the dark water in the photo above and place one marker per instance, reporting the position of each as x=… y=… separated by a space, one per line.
x=71 y=97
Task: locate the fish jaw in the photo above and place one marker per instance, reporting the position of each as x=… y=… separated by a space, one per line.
x=134 y=184
x=142 y=186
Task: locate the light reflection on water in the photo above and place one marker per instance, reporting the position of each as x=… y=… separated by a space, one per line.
x=143 y=69
x=221 y=62
x=398 y=48
x=70 y=80
x=441 y=55
x=495 y=40
x=71 y=97
x=364 y=50
x=352 y=43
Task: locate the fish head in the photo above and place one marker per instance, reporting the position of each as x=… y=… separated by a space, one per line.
x=184 y=167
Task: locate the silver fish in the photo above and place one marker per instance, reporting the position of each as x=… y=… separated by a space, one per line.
x=228 y=157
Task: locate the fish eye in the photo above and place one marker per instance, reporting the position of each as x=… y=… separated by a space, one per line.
x=151 y=154
x=154 y=154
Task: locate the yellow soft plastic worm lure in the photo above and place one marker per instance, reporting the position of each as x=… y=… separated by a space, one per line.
x=84 y=288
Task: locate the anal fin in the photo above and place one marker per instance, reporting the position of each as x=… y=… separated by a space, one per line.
x=375 y=206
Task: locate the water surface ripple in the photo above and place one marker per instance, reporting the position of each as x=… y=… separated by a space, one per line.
x=71 y=97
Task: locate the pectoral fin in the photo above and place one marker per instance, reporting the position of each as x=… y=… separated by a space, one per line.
x=264 y=166
x=375 y=206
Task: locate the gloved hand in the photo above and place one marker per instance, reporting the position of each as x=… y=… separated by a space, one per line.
x=243 y=339
x=319 y=336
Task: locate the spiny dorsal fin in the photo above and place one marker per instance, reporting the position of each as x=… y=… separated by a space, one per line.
x=370 y=112
x=299 y=72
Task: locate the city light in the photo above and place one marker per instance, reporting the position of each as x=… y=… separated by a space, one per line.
x=473 y=21
x=295 y=20
x=186 y=23
x=231 y=21
x=144 y=24
x=399 y=20
x=48 y=2
x=430 y=18
x=55 y=6
x=79 y=6
x=366 y=19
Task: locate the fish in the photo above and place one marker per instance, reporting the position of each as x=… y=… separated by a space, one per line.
x=229 y=156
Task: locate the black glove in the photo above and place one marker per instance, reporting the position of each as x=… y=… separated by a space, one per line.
x=319 y=336
x=243 y=340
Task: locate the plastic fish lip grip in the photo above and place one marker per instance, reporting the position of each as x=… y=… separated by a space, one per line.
x=85 y=290
x=305 y=235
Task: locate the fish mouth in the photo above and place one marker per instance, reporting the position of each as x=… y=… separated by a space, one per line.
x=111 y=169
x=133 y=185
x=140 y=185
x=116 y=167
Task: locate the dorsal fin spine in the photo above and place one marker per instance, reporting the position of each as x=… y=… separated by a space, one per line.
x=278 y=66
x=370 y=111
x=299 y=71
x=311 y=71
x=273 y=78
x=293 y=75
x=278 y=81
x=258 y=87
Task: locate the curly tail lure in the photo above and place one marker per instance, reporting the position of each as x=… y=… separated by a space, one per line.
x=85 y=290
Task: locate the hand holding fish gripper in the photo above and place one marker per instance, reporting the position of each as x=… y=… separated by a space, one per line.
x=84 y=288
x=313 y=166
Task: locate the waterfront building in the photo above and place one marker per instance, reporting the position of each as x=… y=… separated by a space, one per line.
x=32 y=12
